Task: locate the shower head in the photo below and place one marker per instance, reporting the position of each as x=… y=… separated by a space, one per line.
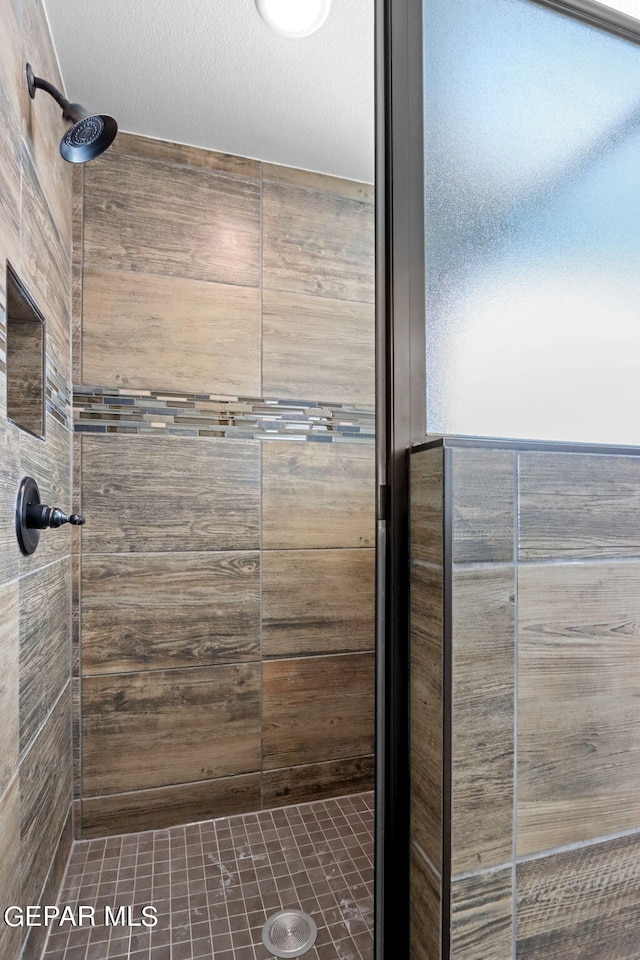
x=89 y=134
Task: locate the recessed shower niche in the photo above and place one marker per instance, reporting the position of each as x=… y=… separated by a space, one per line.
x=25 y=358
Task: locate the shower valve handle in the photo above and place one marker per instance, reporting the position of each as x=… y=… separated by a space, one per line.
x=32 y=516
x=40 y=516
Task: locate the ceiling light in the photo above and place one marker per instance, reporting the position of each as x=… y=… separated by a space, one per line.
x=294 y=18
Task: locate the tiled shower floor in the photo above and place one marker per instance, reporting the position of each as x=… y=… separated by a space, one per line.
x=214 y=884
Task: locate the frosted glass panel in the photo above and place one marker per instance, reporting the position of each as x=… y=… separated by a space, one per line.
x=532 y=166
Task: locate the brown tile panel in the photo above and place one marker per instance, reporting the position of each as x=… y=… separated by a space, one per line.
x=45 y=797
x=581 y=905
x=133 y=145
x=10 y=173
x=165 y=727
x=315 y=781
x=33 y=939
x=11 y=65
x=146 y=331
x=575 y=506
x=349 y=189
x=9 y=682
x=317 y=495
x=46 y=261
x=317 y=243
x=578 y=723
x=482 y=502
x=150 y=494
x=483 y=688
x=41 y=121
x=426 y=725
x=10 y=889
x=317 y=708
x=317 y=602
x=481 y=917
x=167 y=806
x=317 y=347
x=44 y=644
x=9 y=479
x=172 y=610
x=425 y=922
x=427 y=507
x=177 y=221
x=50 y=463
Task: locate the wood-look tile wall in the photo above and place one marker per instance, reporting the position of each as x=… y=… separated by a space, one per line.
x=541 y=665
x=225 y=587
x=35 y=591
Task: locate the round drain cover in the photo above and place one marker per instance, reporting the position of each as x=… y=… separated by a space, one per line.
x=289 y=933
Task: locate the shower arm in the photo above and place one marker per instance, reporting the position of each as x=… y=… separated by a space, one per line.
x=72 y=112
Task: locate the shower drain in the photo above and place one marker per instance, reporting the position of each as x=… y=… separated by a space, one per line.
x=289 y=933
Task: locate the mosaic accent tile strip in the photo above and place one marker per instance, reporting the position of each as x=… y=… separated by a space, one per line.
x=105 y=410
x=58 y=394
x=215 y=883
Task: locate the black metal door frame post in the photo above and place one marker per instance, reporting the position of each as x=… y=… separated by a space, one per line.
x=400 y=412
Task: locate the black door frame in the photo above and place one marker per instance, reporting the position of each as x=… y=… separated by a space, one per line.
x=400 y=416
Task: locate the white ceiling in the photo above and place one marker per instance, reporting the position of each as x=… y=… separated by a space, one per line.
x=211 y=73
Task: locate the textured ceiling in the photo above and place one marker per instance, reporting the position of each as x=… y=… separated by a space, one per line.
x=210 y=73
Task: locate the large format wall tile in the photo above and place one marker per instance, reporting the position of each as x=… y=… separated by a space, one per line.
x=426 y=720
x=156 y=494
x=46 y=264
x=483 y=688
x=170 y=610
x=315 y=347
x=177 y=221
x=167 y=806
x=578 y=722
x=317 y=708
x=41 y=120
x=133 y=145
x=481 y=917
x=11 y=65
x=166 y=333
x=317 y=243
x=50 y=463
x=349 y=189
x=581 y=905
x=45 y=617
x=10 y=885
x=10 y=173
x=162 y=727
x=317 y=495
x=9 y=479
x=9 y=682
x=425 y=909
x=317 y=601
x=482 y=501
x=426 y=505
x=313 y=781
x=34 y=938
x=45 y=797
x=575 y=506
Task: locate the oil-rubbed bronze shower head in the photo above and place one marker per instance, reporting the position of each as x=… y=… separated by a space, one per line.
x=89 y=134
